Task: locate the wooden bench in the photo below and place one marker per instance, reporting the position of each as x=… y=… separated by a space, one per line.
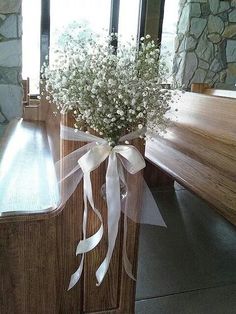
x=37 y=255
x=199 y=149
x=207 y=90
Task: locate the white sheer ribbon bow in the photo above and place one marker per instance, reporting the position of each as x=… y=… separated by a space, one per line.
x=81 y=163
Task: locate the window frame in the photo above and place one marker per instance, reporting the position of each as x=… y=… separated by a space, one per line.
x=114 y=26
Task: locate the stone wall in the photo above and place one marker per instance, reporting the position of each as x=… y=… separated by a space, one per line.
x=206 y=43
x=10 y=60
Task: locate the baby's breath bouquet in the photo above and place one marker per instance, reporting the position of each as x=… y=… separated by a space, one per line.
x=112 y=91
x=117 y=91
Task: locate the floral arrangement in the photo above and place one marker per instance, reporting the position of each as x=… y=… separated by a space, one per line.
x=117 y=92
x=111 y=90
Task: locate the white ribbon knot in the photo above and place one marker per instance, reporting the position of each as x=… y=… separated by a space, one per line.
x=89 y=159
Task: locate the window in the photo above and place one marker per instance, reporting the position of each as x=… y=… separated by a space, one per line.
x=31 y=12
x=169 y=30
x=68 y=15
x=129 y=19
x=44 y=19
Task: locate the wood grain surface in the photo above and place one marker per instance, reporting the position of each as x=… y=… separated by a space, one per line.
x=199 y=149
x=207 y=90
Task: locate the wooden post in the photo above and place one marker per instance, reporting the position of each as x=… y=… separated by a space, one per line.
x=117 y=292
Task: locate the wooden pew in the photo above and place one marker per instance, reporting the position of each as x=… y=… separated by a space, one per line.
x=37 y=255
x=207 y=90
x=199 y=149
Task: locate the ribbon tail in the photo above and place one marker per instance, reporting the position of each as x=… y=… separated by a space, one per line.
x=76 y=276
x=88 y=244
x=114 y=211
x=126 y=262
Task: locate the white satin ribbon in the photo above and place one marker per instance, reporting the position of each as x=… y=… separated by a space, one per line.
x=89 y=158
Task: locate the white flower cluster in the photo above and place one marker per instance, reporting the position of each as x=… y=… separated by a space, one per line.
x=112 y=91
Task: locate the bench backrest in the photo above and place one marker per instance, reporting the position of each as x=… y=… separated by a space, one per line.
x=207 y=90
x=208 y=115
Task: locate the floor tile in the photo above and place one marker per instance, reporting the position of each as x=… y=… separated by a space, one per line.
x=196 y=250
x=221 y=300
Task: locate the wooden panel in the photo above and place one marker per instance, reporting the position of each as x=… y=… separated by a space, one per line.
x=199 y=149
x=212 y=186
x=28 y=268
x=203 y=148
x=207 y=114
x=205 y=89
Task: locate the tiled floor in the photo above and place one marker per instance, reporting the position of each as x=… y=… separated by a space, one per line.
x=189 y=267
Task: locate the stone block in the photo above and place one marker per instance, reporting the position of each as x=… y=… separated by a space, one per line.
x=179 y=67
x=9 y=28
x=224 y=6
x=224 y=17
x=177 y=43
x=230 y=31
x=10 y=6
x=214 y=6
x=199 y=76
x=197 y=26
x=215 y=24
x=232 y=16
x=11 y=55
x=223 y=75
x=176 y=64
x=210 y=75
x=195 y=10
x=205 y=9
x=231 y=73
x=216 y=65
x=231 y=51
x=203 y=64
x=19 y=20
x=191 y=64
x=232 y=69
x=2 y=18
x=233 y=3
x=215 y=78
x=184 y=22
x=205 y=49
x=215 y=38
x=9 y=75
x=190 y=43
x=11 y=101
